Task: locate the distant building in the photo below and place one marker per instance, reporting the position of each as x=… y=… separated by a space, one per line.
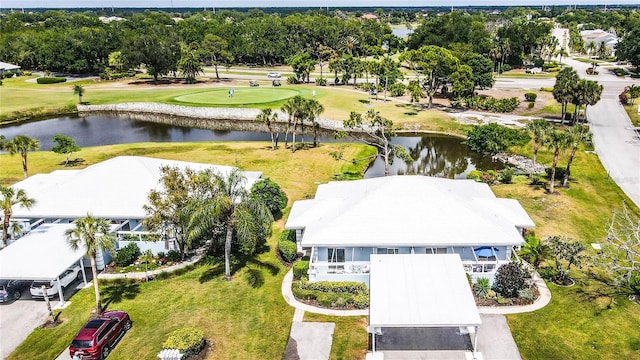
x=108 y=19
x=562 y=34
x=370 y=16
x=6 y=68
x=599 y=36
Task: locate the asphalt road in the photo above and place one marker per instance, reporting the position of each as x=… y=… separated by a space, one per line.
x=615 y=141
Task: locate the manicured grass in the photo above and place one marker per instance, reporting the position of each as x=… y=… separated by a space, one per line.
x=632 y=110
x=241 y=96
x=573 y=324
x=350 y=338
x=243 y=321
x=525 y=75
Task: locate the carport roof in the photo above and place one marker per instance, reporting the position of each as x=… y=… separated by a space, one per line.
x=420 y=290
x=43 y=254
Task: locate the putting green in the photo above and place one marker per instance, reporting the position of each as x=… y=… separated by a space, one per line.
x=241 y=96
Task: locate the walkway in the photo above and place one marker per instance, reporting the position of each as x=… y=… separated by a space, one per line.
x=142 y=274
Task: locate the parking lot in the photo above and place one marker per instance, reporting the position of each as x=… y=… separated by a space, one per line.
x=19 y=318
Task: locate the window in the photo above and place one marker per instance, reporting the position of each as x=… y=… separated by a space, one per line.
x=386 y=250
x=436 y=250
x=335 y=255
x=106 y=330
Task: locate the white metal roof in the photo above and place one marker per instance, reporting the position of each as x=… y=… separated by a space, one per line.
x=6 y=66
x=43 y=254
x=408 y=211
x=420 y=290
x=113 y=189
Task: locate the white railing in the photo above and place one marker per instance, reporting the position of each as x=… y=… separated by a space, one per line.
x=347 y=267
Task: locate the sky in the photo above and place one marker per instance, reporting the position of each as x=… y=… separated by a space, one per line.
x=290 y=3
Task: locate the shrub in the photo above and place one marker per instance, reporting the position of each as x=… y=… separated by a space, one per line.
x=187 y=340
x=509 y=279
x=531 y=105
x=8 y=75
x=51 y=80
x=270 y=193
x=27 y=73
x=174 y=256
x=491 y=104
x=505 y=175
x=300 y=270
x=493 y=138
x=487 y=177
x=527 y=293
x=619 y=71
x=481 y=288
x=554 y=69
x=546 y=89
x=292 y=80
x=560 y=171
x=301 y=293
x=505 y=67
x=361 y=301
x=397 y=89
x=590 y=71
x=551 y=65
x=321 y=82
x=530 y=96
x=127 y=255
x=353 y=287
x=288 y=250
x=334 y=299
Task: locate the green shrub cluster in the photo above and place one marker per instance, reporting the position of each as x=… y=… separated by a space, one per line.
x=27 y=73
x=321 y=82
x=510 y=278
x=619 y=71
x=554 y=69
x=51 y=80
x=488 y=103
x=505 y=67
x=530 y=96
x=188 y=341
x=271 y=194
x=560 y=172
x=397 y=89
x=491 y=177
x=300 y=270
x=333 y=294
x=550 y=65
x=174 y=256
x=590 y=71
x=493 y=138
x=292 y=79
x=287 y=247
x=127 y=255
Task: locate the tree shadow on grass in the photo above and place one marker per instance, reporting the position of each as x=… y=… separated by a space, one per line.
x=115 y=293
x=254 y=275
x=73 y=162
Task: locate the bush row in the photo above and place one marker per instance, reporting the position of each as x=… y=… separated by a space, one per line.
x=300 y=270
x=51 y=80
x=357 y=298
x=491 y=104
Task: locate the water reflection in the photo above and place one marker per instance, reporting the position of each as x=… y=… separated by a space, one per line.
x=435 y=155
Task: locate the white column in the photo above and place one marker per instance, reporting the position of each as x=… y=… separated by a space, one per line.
x=475 y=342
x=60 y=294
x=99 y=259
x=84 y=275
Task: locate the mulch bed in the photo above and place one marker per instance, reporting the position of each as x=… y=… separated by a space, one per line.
x=208 y=347
x=508 y=301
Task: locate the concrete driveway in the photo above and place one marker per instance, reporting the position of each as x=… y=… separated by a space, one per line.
x=19 y=318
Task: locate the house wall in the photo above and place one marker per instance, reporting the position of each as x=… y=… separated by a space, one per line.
x=154 y=246
x=364 y=253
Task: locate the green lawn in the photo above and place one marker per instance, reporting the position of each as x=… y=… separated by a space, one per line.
x=241 y=96
x=525 y=75
x=243 y=321
x=632 y=110
x=350 y=338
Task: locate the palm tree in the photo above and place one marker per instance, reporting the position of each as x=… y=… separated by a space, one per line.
x=633 y=91
x=592 y=93
x=591 y=49
x=562 y=52
x=602 y=51
x=78 y=90
x=295 y=108
x=564 y=88
x=535 y=251
x=21 y=144
x=576 y=136
x=10 y=198
x=556 y=141
x=146 y=258
x=227 y=202
x=313 y=111
x=92 y=235
x=539 y=128
x=267 y=116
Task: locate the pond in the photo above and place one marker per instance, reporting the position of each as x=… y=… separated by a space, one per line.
x=435 y=155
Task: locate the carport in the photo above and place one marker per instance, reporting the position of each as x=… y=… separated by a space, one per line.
x=42 y=255
x=420 y=291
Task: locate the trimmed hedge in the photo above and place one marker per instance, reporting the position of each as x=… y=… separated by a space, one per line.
x=187 y=340
x=127 y=255
x=530 y=96
x=492 y=104
x=300 y=270
x=338 y=294
x=51 y=80
x=287 y=247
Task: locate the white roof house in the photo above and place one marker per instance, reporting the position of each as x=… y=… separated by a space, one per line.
x=424 y=210
x=6 y=67
x=113 y=189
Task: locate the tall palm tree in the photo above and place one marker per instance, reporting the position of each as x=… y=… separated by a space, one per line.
x=592 y=93
x=22 y=144
x=591 y=49
x=78 y=90
x=227 y=202
x=562 y=52
x=539 y=128
x=295 y=108
x=267 y=116
x=576 y=136
x=93 y=235
x=313 y=111
x=556 y=141
x=12 y=197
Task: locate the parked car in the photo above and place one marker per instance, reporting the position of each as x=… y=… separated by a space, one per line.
x=275 y=83
x=98 y=336
x=273 y=74
x=12 y=289
x=67 y=277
